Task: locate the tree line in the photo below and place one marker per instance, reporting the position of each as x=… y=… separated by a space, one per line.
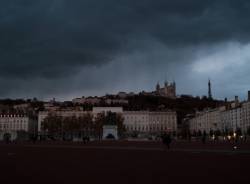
x=59 y=127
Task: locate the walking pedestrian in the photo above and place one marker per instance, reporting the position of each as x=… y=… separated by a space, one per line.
x=166 y=139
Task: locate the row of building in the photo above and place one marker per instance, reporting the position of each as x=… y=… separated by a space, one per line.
x=97 y=100
x=229 y=118
x=140 y=121
x=144 y=122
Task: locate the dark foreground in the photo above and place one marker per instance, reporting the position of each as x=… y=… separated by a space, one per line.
x=123 y=162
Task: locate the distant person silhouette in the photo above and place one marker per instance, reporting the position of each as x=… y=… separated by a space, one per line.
x=166 y=139
x=85 y=139
x=203 y=138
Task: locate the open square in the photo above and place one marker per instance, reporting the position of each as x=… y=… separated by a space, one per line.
x=124 y=162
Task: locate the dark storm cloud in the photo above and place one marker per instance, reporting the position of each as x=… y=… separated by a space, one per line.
x=56 y=39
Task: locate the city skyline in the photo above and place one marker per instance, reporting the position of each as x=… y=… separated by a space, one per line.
x=151 y=91
x=65 y=50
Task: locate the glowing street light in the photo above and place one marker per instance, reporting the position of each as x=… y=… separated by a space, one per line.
x=235 y=134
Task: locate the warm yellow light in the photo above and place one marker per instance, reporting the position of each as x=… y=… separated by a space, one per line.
x=234 y=134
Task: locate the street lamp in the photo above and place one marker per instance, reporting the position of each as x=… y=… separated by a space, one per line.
x=235 y=134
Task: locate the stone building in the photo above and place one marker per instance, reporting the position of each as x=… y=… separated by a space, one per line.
x=12 y=124
x=89 y=100
x=229 y=118
x=150 y=122
x=246 y=115
x=236 y=117
x=205 y=121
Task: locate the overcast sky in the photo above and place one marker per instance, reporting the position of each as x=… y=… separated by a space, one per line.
x=66 y=49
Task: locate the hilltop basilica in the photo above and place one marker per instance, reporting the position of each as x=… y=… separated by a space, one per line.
x=168 y=90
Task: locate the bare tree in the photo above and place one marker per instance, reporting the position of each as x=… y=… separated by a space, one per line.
x=98 y=124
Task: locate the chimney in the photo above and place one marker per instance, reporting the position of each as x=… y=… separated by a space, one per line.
x=248 y=96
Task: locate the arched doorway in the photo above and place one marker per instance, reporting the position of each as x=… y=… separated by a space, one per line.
x=110 y=136
x=110 y=132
